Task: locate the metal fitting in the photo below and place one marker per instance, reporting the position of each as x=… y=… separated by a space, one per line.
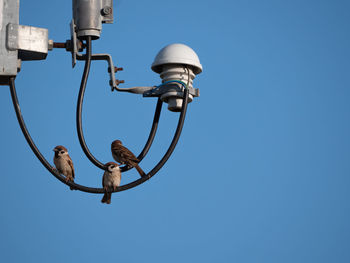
x=50 y=45
x=117 y=82
x=116 y=69
x=106 y=11
x=88 y=16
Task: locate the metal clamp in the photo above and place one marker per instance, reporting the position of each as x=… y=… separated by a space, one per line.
x=171 y=87
x=31 y=42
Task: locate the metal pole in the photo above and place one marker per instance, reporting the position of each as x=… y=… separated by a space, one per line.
x=9 y=63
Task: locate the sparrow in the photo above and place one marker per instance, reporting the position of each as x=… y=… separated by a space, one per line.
x=124 y=156
x=63 y=163
x=110 y=180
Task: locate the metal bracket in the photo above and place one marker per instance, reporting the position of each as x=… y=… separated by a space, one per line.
x=74 y=48
x=136 y=90
x=31 y=42
x=171 y=87
x=74 y=44
x=109 y=60
x=107 y=11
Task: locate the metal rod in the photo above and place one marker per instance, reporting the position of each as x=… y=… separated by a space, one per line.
x=92 y=189
x=59 y=45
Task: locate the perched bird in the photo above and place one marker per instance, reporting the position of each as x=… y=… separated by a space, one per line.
x=110 y=180
x=64 y=163
x=124 y=156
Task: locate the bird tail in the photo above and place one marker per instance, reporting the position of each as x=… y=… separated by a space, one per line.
x=140 y=171
x=106 y=198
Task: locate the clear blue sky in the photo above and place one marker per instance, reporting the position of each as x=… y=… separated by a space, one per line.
x=262 y=169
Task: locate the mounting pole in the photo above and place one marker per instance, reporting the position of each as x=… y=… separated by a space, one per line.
x=9 y=62
x=18 y=42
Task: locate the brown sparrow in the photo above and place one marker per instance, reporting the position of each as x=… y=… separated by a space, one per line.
x=124 y=156
x=110 y=180
x=63 y=163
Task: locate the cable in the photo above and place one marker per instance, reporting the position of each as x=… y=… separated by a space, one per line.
x=29 y=138
x=79 y=116
x=153 y=130
x=168 y=152
x=80 y=106
x=92 y=189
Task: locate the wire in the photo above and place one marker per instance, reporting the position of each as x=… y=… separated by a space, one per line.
x=186 y=86
x=153 y=130
x=92 y=189
x=168 y=152
x=80 y=107
x=29 y=138
x=79 y=117
x=150 y=137
x=145 y=150
x=173 y=81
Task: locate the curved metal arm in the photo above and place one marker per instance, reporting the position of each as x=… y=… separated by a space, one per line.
x=92 y=189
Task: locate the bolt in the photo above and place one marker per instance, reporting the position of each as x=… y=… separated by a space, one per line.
x=117 y=81
x=107 y=10
x=59 y=45
x=80 y=45
x=115 y=69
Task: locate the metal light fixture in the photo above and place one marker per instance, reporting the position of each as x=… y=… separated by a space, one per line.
x=177 y=65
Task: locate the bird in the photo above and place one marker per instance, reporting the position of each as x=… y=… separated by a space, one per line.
x=64 y=163
x=124 y=156
x=110 y=180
